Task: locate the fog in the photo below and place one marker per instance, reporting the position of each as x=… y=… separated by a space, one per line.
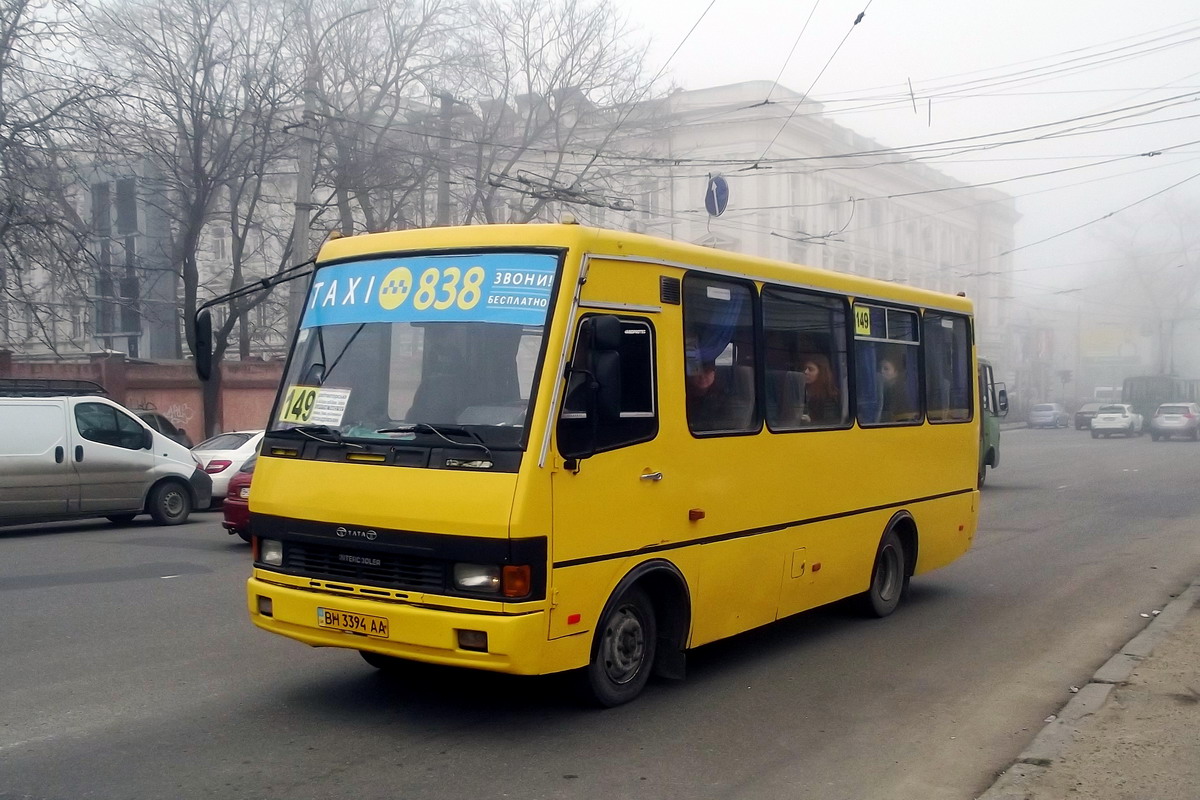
x=1079 y=110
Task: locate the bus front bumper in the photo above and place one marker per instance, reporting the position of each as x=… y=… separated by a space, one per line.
x=516 y=644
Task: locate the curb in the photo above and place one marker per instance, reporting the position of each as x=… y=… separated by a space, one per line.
x=1052 y=741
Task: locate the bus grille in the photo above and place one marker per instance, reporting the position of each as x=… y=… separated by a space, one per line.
x=393 y=571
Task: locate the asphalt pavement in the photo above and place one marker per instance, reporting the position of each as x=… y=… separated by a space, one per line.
x=1132 y=732
x=129 y=658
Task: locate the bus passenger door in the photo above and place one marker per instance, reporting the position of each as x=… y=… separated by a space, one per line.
x=610 y=493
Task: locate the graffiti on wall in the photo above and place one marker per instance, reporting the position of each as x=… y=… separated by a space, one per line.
x=180 y=414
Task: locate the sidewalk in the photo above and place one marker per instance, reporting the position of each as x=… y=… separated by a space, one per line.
x=1133 y=733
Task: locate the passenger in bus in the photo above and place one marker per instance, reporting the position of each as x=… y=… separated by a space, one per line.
x=897 y=406
x=712 y=404
x=822 y=405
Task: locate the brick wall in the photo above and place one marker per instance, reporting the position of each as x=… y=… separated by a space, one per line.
x=169 y=387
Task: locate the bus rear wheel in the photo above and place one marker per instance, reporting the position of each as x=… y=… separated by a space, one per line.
x=623 y=650
x=889 y=577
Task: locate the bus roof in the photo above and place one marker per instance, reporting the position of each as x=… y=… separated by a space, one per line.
x=623 y=244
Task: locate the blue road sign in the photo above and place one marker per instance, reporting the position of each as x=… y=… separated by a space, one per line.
x=716 y=196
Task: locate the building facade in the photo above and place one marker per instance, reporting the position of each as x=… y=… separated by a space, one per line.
x=801 y=188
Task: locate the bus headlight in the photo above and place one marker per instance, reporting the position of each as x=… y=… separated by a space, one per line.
x=477 y=578
x=271 y=552
x=509 y=580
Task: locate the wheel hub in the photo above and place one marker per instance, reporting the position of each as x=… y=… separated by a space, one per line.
x=624 y=646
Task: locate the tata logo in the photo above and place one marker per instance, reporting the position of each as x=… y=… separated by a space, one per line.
x=355 y=533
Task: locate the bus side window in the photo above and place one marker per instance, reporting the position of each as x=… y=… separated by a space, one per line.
x=719 y=346
x=947 y=368
x=638 y=420
x=887 y=366
x=806 y=361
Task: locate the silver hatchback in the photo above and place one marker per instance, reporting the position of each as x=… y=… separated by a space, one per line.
x=1048 y=415
x=1176 y=419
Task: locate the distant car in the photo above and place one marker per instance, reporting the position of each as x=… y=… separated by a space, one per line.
x=1085 y=414
x=237 y=501
x=1116 y=418
x=164 y=426
x=1048 y=415
x=223 y=455
x=1176 y=419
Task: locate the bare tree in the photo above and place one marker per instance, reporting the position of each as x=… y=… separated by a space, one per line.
x=560 y=84
x=210 y=81
x=1160 y=256
x=375 y=59
x=46 y=104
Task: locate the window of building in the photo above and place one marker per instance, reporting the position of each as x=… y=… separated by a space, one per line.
x=127 y=208
x=102 y=208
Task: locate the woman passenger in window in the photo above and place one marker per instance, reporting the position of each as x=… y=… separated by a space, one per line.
x=821 y=403
x=896 y=404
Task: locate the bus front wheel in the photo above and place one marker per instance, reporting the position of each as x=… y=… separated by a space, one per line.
x=623 y=651
x=889 y=577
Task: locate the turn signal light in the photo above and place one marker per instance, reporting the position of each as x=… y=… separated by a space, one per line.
x=516 y=581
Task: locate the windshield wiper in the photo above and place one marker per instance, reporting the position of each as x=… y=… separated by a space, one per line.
x=441 y=430
x=311 y=431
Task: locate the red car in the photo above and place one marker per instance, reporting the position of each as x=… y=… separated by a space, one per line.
x=237 y=501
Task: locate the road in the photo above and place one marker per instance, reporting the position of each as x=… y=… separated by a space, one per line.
x=129 y=669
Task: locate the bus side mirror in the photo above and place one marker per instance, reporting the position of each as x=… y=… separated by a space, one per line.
x=147 y=439
x=1002 y=401
x=204 y=340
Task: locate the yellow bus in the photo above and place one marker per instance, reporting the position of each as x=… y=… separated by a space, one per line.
x=540 y=448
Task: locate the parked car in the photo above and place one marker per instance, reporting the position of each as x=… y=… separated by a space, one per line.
x=1085 y=414
x=1048 y=415
x=223 y=455
x=1176 y=419
x=237 y=501
x=164 y=426
x=1116 y=418
x=75 y=456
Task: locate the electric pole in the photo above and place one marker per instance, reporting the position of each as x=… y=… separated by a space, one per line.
x=445 y=116
x=304 y=179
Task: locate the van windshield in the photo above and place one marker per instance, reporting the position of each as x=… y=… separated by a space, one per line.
x=390 y=348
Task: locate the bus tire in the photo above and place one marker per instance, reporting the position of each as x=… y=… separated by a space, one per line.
x=889 y=577
x=170 y=503
x=623 y=650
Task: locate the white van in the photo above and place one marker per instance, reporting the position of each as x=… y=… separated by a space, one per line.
x=70 y=457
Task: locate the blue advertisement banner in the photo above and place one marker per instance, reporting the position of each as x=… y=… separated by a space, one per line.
x=512 y=288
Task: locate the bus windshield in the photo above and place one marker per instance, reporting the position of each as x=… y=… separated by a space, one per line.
x=391 y=348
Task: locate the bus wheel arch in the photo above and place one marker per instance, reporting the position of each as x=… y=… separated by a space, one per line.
x=647 y=616
x=894 y=564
